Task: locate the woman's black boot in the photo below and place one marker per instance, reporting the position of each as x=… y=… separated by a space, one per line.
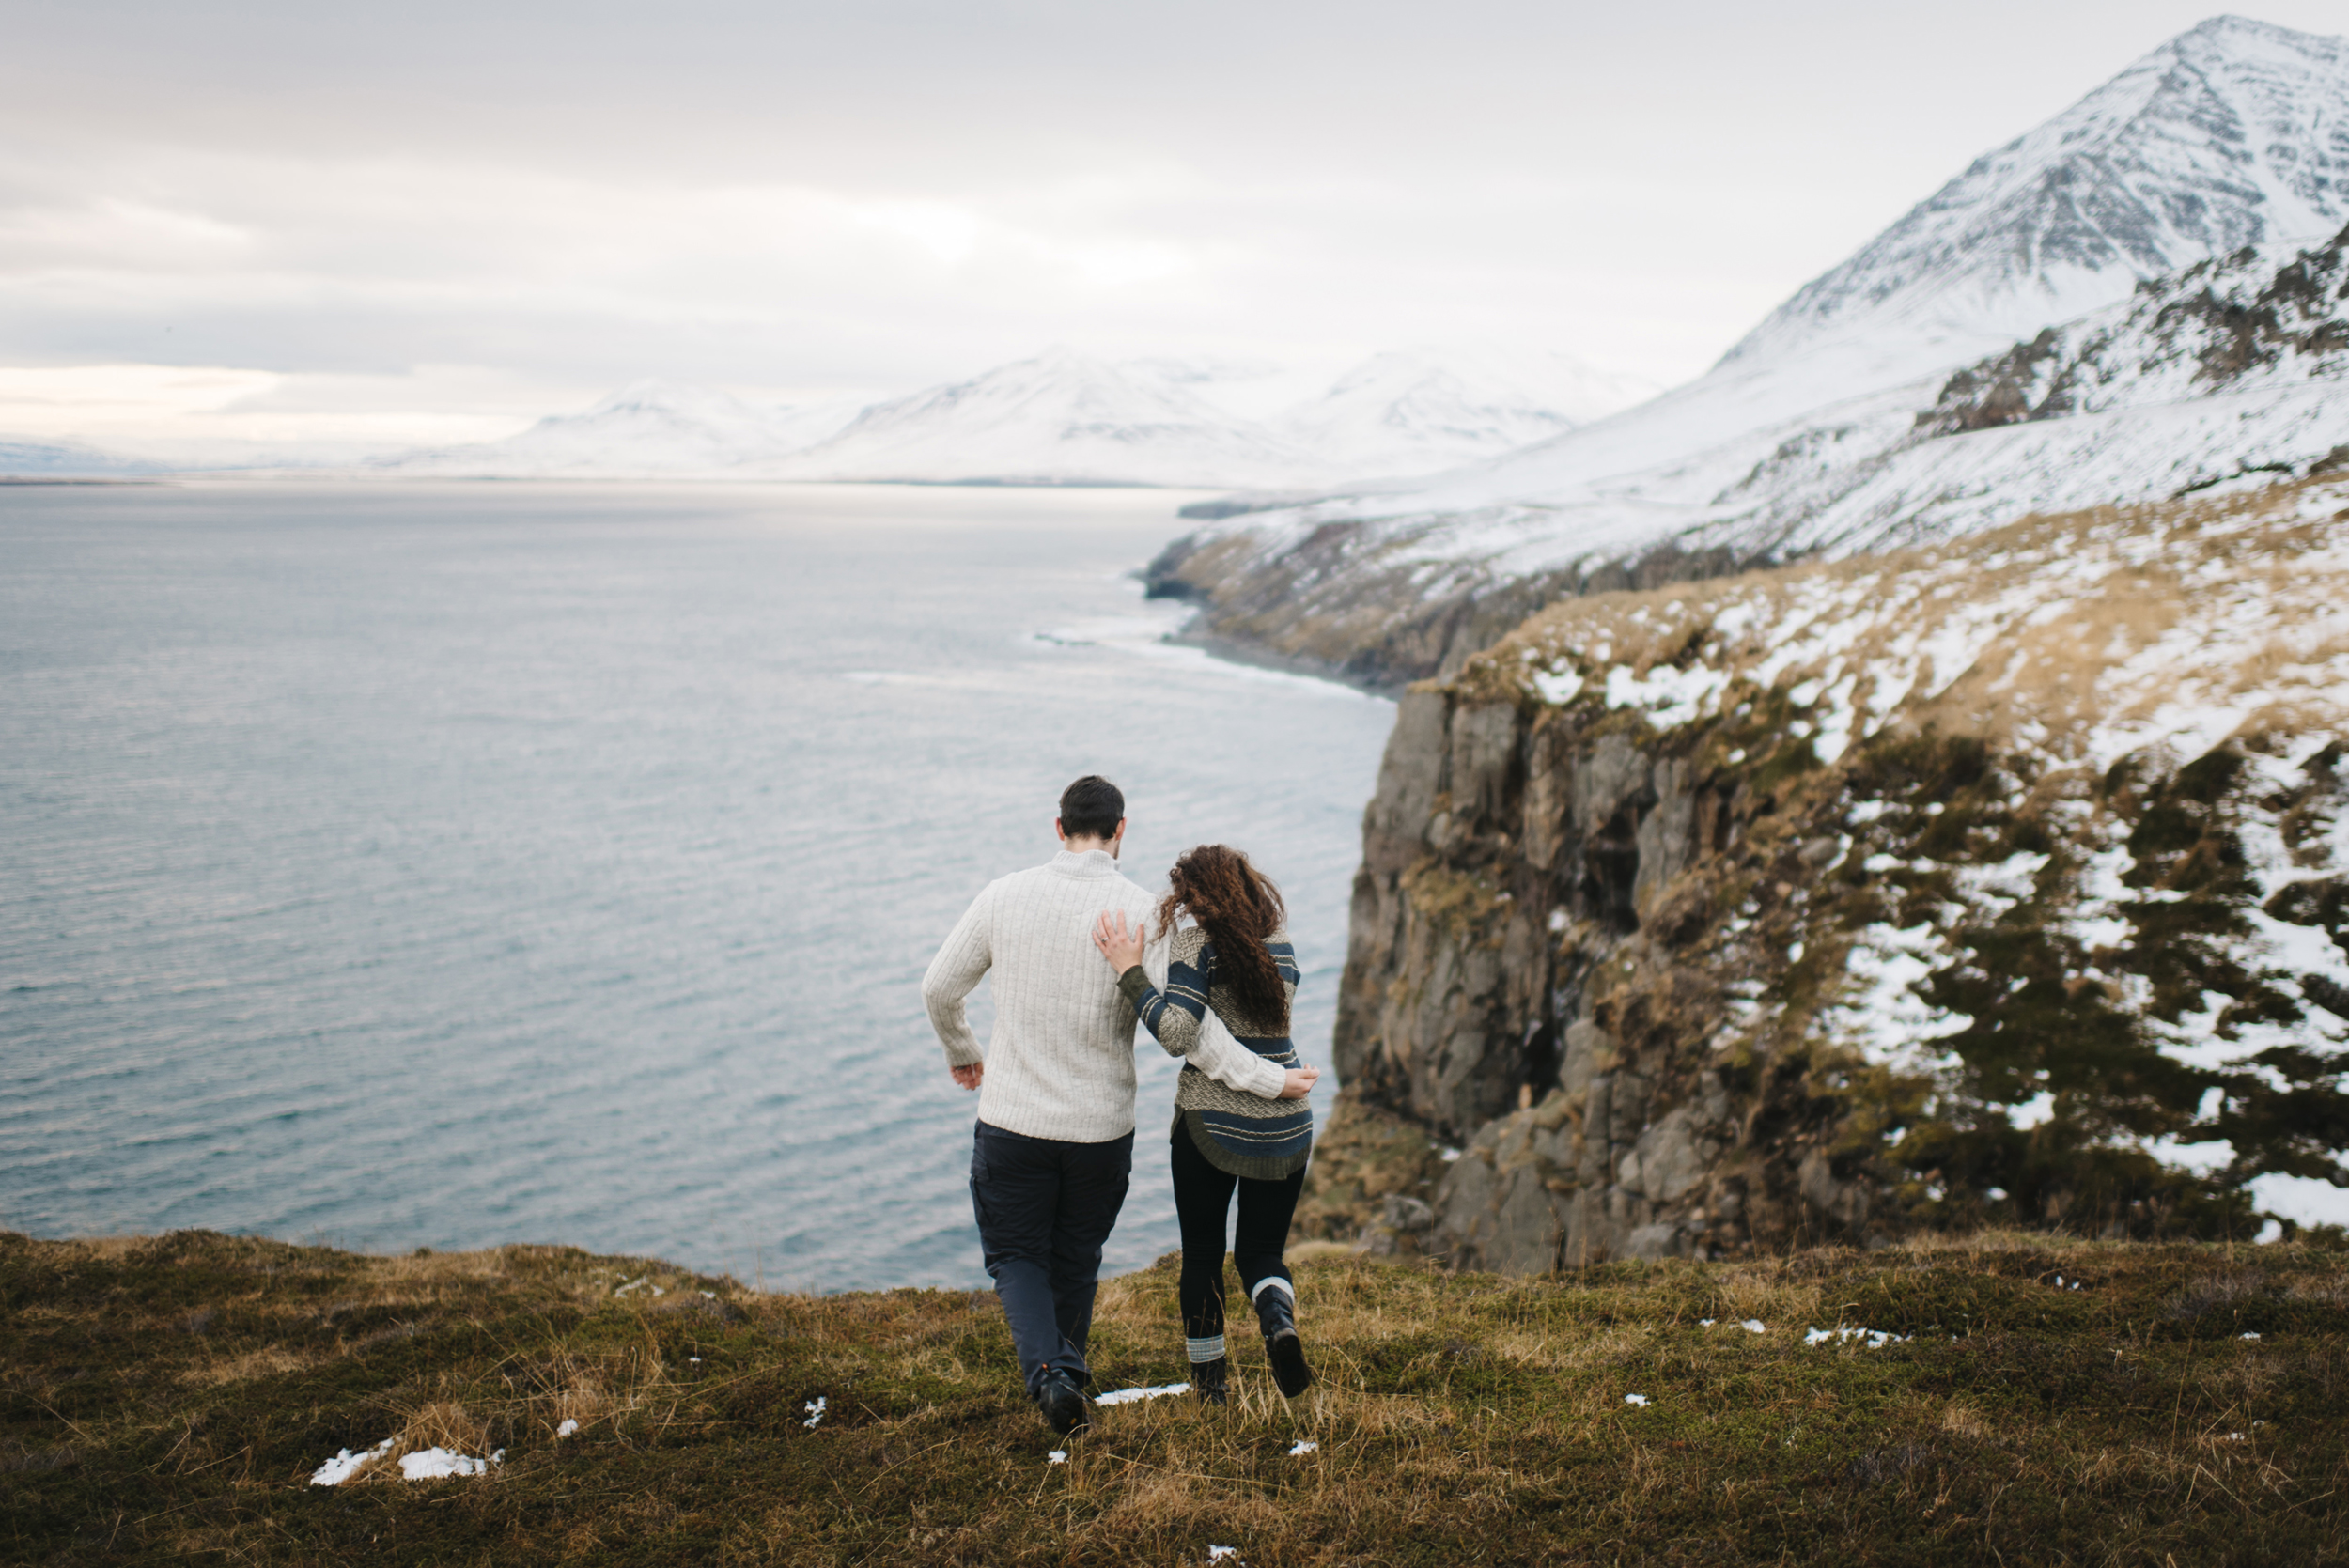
x=1276 y=1311
x=1210 y=1380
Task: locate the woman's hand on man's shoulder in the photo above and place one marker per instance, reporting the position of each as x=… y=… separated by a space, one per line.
x=1121 y=947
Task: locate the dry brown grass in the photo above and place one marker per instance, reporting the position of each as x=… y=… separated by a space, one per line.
x=1458 y=1418
x=2248 y=587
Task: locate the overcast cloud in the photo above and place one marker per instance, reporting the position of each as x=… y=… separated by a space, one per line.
x=365 y=226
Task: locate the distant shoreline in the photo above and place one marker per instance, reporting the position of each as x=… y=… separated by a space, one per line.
x=29 y=480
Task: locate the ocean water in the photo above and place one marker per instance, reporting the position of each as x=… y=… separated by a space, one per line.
x=448 y=865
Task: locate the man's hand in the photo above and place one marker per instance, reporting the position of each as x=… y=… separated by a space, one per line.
x=969 y=1076
x=1122 y=948
x=1300 y=1082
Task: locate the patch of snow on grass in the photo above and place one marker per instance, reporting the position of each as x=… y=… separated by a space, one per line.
x=1560 y=688
x=2036 y=1112
x=569 y=1429
x=444 y=1464
x=1670 y=696
x=346 y=1463
x=1880 y=1014
x=1130 y=1396
x=1998 y=887
x=1872 y=1338
x=2302 y=1200
x=1635 y=1399
x=1835 y=726
x=815 y=1408
x=1302 y=1447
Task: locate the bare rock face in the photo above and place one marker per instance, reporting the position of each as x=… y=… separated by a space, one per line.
x=1340 y=599
x=1372 y=1177
x=1511 y=983
x=1845 y=900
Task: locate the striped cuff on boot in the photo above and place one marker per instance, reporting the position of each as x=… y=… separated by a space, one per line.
x=1209 y=1349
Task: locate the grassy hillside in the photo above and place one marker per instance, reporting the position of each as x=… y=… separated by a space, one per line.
x=169 y=1398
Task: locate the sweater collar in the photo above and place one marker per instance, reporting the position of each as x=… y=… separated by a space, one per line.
x=1092 y=862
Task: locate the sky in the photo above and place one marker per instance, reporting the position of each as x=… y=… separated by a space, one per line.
x=323 y=228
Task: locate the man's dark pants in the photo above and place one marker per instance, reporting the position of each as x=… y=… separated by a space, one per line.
x=1044 y=1207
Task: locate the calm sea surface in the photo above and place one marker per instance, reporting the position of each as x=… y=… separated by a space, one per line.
x=447 y=866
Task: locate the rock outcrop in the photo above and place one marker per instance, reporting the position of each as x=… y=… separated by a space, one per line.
x=1847 y=900
x=1362 y=604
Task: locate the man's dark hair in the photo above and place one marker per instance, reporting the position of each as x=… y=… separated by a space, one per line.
x=1091 y=807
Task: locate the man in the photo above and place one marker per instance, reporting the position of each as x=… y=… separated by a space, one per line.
x=1055 y=1138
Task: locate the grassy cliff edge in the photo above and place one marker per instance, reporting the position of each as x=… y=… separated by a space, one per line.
x=2023 y=1399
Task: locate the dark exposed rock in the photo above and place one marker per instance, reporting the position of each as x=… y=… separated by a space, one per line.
x=1561 y=909
x=2227 y=317
x=1332 y=603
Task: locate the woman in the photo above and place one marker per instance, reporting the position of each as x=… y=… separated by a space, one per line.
x=1240 y=1119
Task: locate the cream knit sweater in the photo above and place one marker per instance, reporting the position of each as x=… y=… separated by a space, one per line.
x=1060 y=1064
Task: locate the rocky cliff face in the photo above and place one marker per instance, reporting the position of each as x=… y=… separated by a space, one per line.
x=1847 y=900
x=1498 y=965
x=1359 y=603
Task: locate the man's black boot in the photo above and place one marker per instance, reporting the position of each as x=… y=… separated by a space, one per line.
x=1063 y=1404
x=1211 y=1380
x=1276 y=1312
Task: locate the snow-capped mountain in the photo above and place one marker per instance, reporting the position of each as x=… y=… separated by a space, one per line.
x=652 y=428
x=1063 y=418
x=2234 y=133
x=1060 y=418
x=1420 y=410
x=1818 y=431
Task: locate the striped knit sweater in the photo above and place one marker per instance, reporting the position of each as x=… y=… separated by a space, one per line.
x=1253 y=1135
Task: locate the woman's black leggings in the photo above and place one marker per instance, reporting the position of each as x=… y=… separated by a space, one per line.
x=1203 y=1201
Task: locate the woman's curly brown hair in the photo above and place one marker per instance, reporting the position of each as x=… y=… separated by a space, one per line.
x=1240 y=908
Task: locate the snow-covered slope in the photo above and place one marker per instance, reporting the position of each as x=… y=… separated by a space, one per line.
x=652 y=429
x=1808 y=436
x=1420 y=410
x=2234 y=133
x=1060 y=418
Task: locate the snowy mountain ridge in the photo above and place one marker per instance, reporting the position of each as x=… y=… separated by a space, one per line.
x=2234 y=133
x=649 y=428
x=1819 y=433
x=1425 y=409
x=1062 y=417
